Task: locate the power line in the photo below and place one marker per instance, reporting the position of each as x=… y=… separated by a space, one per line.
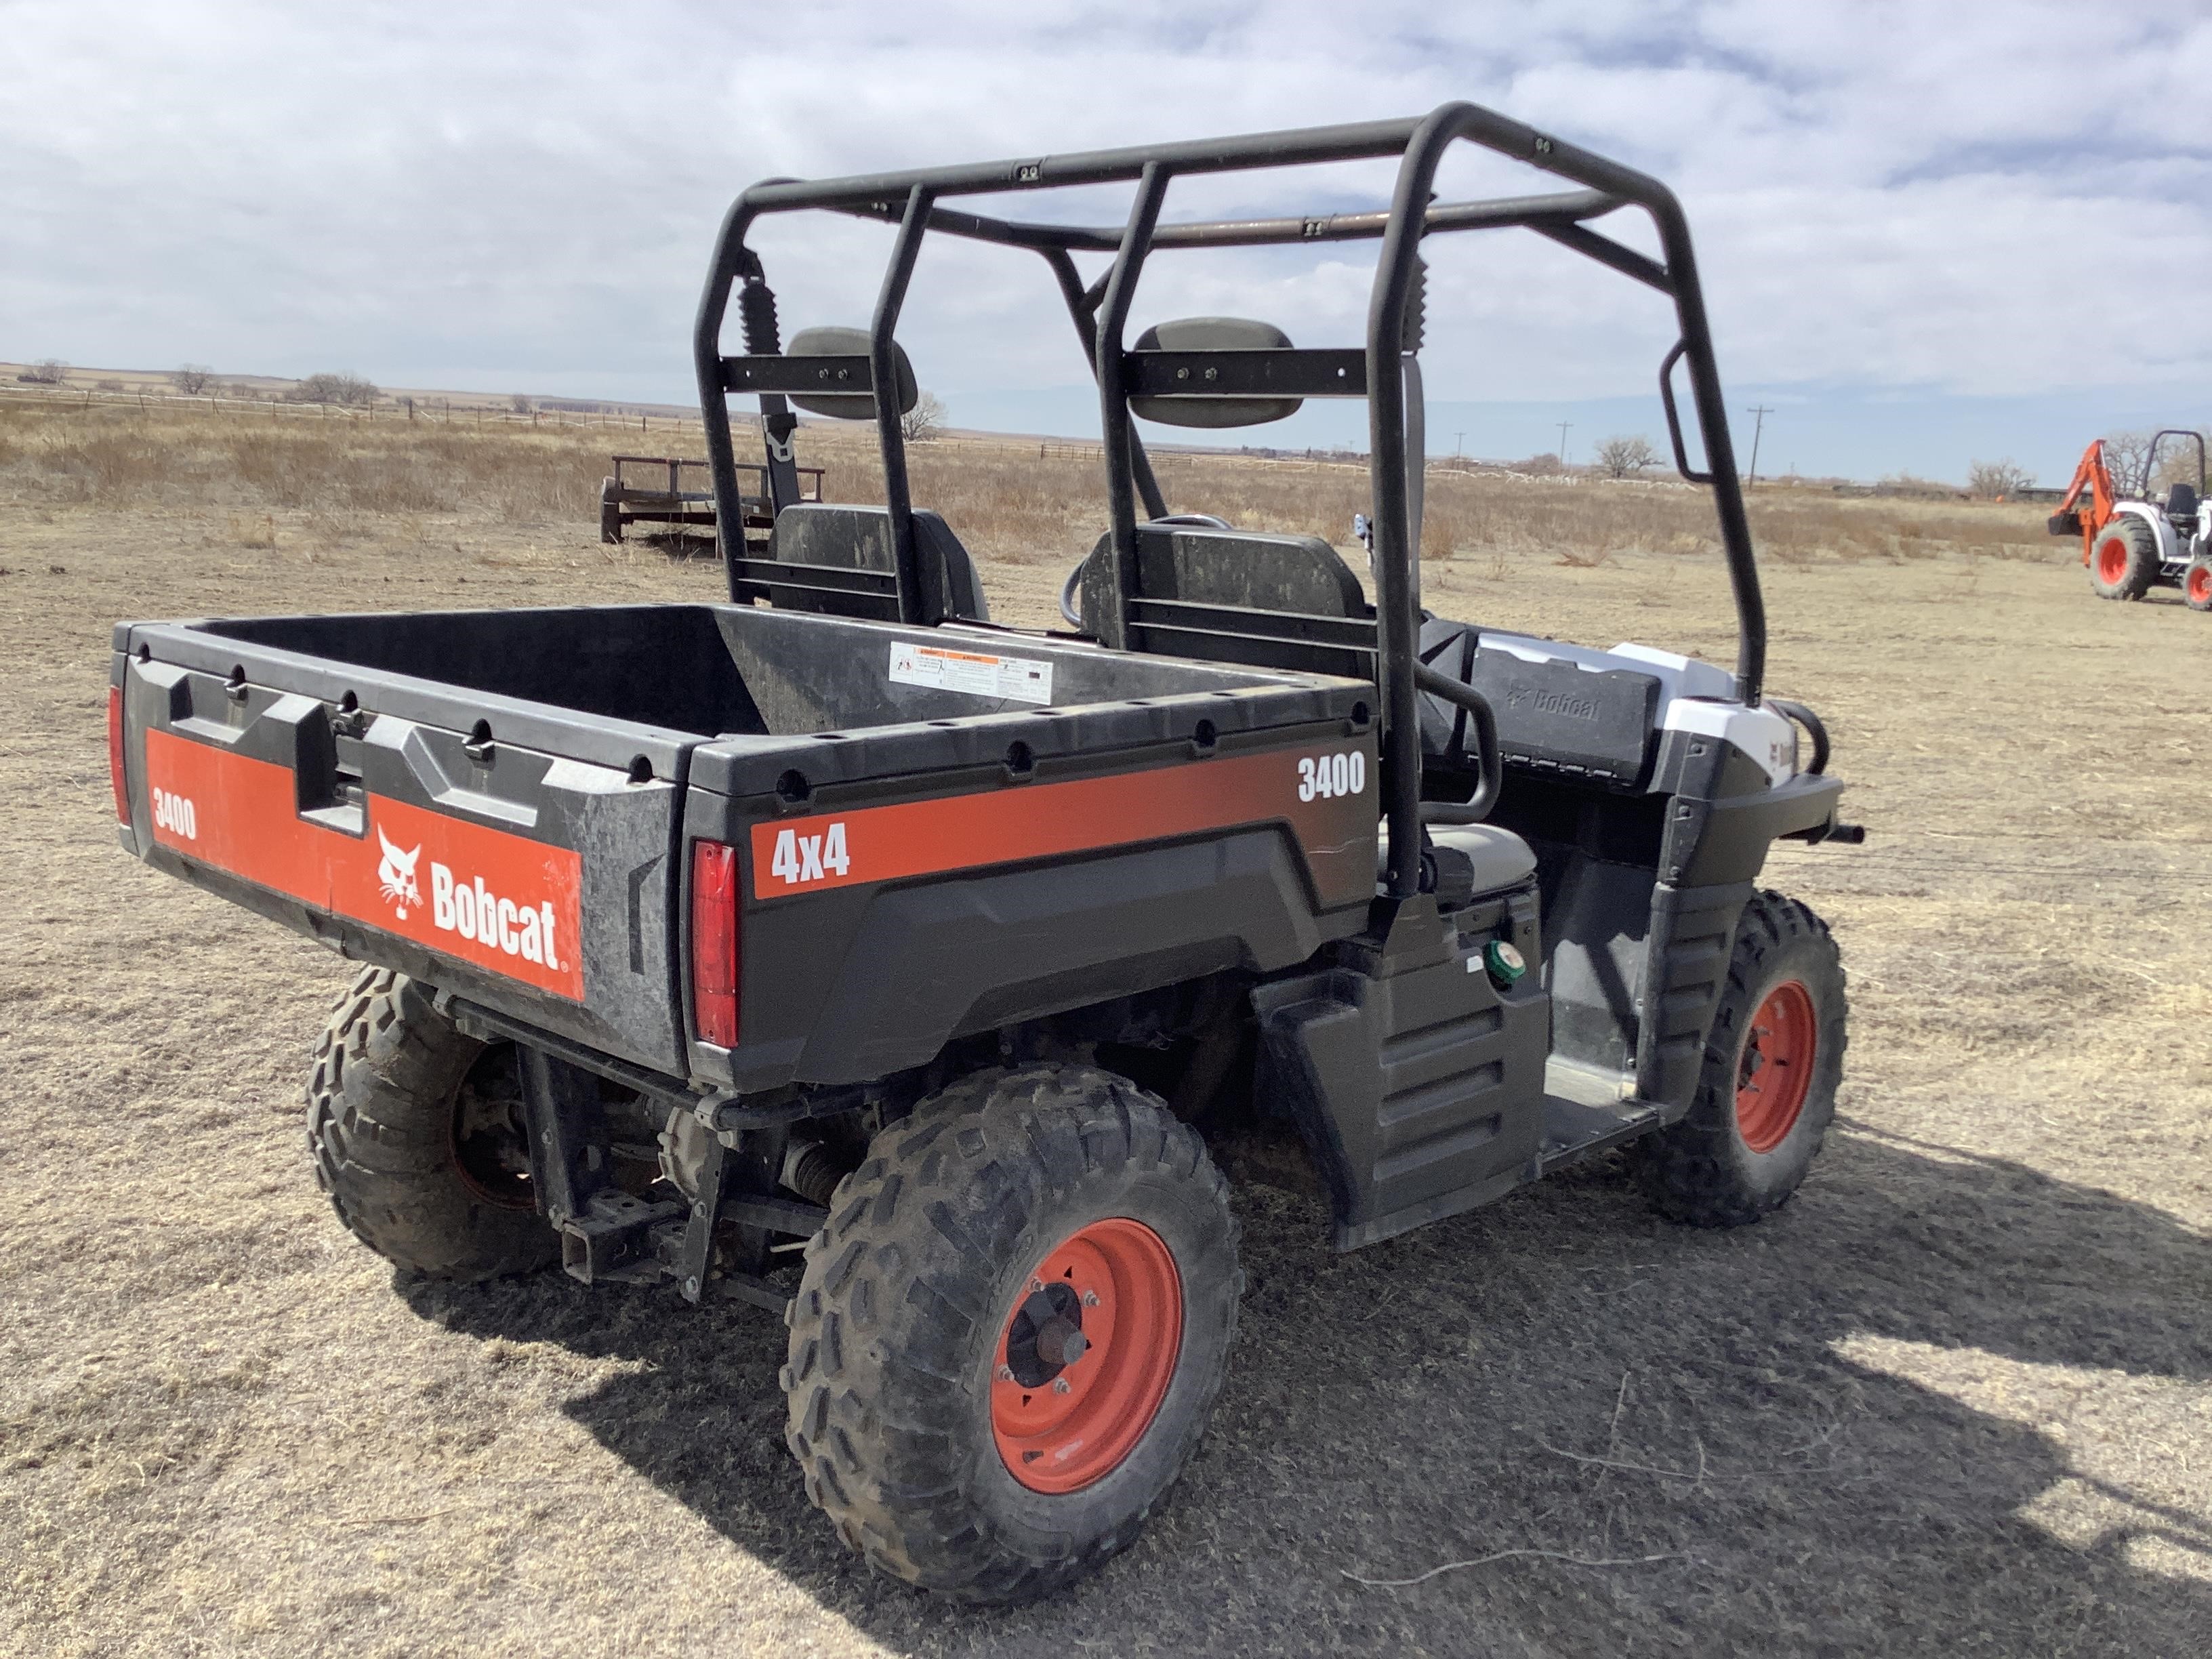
x=1564 y=425
x=1762 y=411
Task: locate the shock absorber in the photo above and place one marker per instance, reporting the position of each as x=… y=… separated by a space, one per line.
x=757 y=313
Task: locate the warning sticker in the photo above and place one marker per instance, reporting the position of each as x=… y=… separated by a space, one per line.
x=1023 y=678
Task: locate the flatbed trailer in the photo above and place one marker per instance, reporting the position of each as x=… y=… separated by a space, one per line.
x=624 y=501
x=833 y=914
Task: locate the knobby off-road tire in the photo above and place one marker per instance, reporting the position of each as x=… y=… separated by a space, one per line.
x=1768 y=1092
x=416 y=1134
x=2124 y=559
x=1009 y=1205
x=2197 y=584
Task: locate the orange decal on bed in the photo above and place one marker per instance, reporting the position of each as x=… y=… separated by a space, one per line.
x=497 y=901
x=1334 y=821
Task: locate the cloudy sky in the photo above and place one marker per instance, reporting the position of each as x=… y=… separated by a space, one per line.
x=1930 y=233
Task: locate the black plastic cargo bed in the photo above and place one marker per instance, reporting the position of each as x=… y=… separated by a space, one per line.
x=496 y=803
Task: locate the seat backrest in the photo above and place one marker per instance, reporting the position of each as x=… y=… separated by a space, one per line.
x=2181 y=501
x=1301 y=575
x=1239 y=596
x=841 y=536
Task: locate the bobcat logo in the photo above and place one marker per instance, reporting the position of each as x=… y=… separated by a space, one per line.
x=395 y=875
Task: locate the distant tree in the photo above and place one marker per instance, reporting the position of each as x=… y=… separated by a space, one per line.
x=108 y=386
x=925 y=421
x=48 y=372
x=192 y=380
x=346 y=389
x=240 y=389
x=1624 y=458
x=1542 y=466
x=518 y=404
x=1996 y=481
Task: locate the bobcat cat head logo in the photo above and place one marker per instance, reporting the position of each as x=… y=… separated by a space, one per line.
x=395 y=875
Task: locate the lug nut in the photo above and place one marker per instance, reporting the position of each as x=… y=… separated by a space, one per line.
x=1091 y=1298
x=1059 y=1385
x=1005 y=1373
x=1036 y=1284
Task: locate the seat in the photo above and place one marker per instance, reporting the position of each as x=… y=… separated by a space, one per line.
x=2181 y=501
x=849 y=537
x=1498 y=858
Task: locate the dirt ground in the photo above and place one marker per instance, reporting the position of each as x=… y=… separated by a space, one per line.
x=1956 y=1399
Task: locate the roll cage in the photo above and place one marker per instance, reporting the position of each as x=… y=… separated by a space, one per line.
x=1382 y=372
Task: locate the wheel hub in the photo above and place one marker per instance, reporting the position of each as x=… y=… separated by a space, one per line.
x=1774 y=1070
x=1085 y=1356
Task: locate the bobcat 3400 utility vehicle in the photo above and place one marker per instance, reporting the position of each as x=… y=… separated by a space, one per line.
x=836 y=913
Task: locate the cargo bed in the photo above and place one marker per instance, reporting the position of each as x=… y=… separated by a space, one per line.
x=495 y=802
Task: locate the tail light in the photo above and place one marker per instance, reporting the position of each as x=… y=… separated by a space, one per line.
x=714 y=943
x=115 y=753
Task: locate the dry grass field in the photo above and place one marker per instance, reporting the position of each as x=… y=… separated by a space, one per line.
x=1956 y=1399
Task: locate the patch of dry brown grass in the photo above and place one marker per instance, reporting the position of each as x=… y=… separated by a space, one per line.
x=1956 y=1398
x=1013 y=502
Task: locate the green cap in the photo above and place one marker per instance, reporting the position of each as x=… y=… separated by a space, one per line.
x=1506 y=965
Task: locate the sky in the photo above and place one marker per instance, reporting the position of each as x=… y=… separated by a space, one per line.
x=1929 y=234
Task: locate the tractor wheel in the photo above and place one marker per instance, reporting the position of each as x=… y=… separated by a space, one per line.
x=417 y=1135
x=1011 y=1330
x=2124 y=559
x=2196 y=583
x=1773 y=1057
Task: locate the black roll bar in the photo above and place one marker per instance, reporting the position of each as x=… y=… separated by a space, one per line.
x=914 y=200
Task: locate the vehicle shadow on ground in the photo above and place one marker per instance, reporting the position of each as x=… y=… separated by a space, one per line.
x=1566 y=1372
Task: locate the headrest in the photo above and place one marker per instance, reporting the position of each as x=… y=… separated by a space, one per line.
x=847 y=342
x=1213 y=334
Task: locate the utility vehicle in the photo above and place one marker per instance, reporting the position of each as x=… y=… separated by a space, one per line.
x=838 y=917
x=2135 y=539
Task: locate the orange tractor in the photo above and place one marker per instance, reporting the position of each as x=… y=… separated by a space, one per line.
x=2135 y=541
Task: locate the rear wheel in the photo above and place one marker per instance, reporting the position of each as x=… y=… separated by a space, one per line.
x=1773 y=1057
x=1012 y=1331
x=2124 y=559
x=417 y=1134
x=2196 y=583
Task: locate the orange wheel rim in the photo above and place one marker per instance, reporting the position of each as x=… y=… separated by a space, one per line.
x=1085 y=1356
x=1774 y=1069
x=2200 y=584
x=2112 y=561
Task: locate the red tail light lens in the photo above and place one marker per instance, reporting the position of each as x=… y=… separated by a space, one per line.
x=115 y=753
x=714 y=943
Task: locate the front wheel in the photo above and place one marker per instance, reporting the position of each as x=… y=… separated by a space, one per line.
x=1012 y=1331
x=2196 y=583
x=1766 y=1094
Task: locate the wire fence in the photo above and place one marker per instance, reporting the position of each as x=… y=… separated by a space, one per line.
x=401 y=412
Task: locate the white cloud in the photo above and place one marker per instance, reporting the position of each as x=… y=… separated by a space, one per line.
x=1999 y=200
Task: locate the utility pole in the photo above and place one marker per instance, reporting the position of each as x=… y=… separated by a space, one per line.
x=1459 y=445
x=1762 y=411
x=1564 y=425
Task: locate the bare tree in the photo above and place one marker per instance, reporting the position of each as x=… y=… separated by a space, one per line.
x=193 y=380
x=1997 y=480
x=1624 y=458
x=925 y=421
x=518 y=404
x=48 y=372
x=347 y=389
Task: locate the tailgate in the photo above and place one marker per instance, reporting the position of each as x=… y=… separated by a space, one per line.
x=444 y=833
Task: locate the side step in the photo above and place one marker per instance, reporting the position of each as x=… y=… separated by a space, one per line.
x=1573 y=1131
